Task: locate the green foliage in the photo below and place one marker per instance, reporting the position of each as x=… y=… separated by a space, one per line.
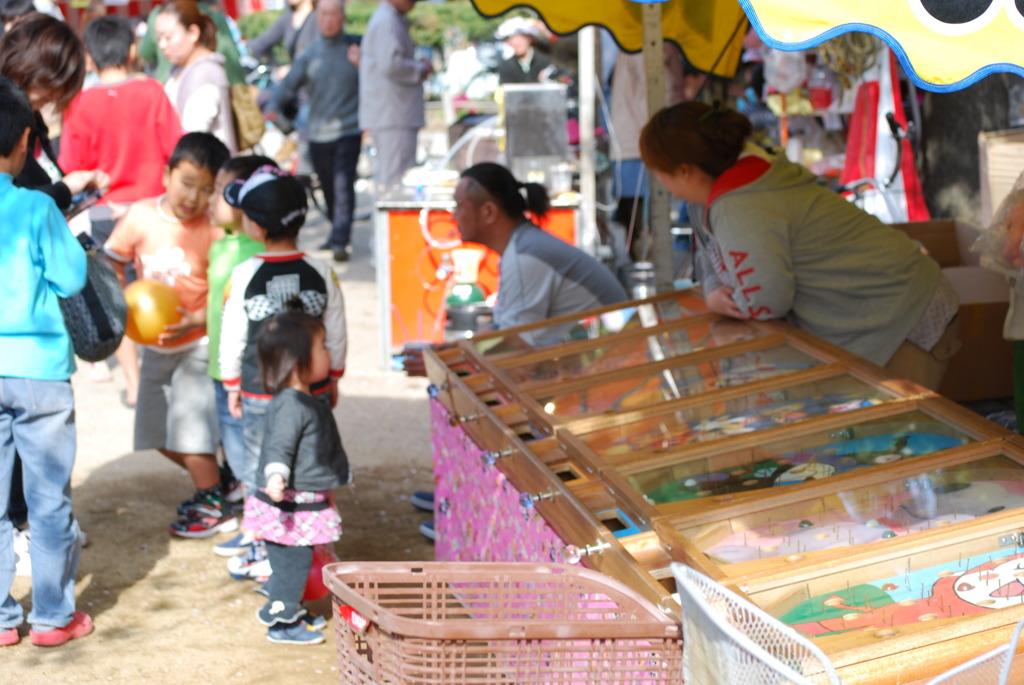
x=448 y=23
x=252 y=25
x=433 y=23
x=358 y=14
x=437 y=24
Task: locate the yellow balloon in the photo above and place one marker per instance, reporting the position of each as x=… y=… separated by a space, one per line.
x=152 y=305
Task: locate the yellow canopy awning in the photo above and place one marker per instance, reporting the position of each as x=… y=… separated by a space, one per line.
x=709 y=32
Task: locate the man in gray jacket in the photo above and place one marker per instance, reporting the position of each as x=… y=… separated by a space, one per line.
x=391 y=90
x=329 y=67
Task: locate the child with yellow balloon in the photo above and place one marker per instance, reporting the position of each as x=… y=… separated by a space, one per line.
x=168 y=238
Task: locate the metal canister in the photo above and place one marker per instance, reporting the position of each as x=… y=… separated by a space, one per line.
x=641 y=279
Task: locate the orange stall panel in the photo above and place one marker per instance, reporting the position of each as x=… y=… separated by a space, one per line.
x=420 y=270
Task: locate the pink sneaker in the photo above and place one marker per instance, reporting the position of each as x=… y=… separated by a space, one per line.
x=80 y=626
x=9 y=637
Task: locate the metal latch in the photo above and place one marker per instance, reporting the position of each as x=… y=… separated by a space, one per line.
x=1012 y=539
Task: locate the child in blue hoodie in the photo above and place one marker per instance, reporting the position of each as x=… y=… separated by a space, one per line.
x=41 y=261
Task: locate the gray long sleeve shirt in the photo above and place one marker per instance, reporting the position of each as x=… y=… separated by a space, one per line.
x=542 y=277
x=333 y=86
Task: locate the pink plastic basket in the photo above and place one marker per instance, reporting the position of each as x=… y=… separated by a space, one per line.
x=444 y=622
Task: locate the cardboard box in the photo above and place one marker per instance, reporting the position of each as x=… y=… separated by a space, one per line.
x=983 y=368
x=1001 y=159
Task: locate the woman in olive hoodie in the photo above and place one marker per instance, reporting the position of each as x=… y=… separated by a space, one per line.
x=774 y=244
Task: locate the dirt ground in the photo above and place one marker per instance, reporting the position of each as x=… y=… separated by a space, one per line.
x=165 y=609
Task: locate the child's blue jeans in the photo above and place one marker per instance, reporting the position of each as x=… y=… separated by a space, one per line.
x=254 y=415
x=230 y=432
x=37 y=418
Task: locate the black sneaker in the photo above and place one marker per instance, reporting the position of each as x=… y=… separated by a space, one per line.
x=204 y=520
x=230 y=487
x=187 y=505
x=210 y=495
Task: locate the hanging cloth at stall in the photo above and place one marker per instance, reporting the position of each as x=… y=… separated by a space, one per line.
x=871 y=148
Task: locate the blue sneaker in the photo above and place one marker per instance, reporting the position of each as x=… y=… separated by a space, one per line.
x=240 y=544
x=298 y=633
x=314 y=621
x=428 y=531
x=423 y=499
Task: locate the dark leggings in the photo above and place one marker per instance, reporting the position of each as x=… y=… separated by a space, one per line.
x=290 y=567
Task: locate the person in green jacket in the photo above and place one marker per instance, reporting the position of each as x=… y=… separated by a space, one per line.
x=159 y=65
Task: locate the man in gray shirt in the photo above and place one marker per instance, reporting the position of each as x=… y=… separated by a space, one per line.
x=539 y=276
x=329 y=67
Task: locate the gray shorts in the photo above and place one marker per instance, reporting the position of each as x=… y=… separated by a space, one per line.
x=177 y=408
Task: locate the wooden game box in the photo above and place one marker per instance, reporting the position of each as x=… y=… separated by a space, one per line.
x=773 y=461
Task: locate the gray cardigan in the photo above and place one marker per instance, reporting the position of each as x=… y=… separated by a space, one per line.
x=302 y=443
x=333 y=86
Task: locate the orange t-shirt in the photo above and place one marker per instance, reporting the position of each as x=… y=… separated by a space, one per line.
x=166 y=249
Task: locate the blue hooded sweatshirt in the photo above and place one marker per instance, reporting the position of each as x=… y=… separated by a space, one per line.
x=40 y=261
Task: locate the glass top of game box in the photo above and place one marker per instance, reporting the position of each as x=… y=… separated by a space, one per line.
x=678 y=427
x=617 y=353
x=628 y=316
x=869 y=514
x=642 y=386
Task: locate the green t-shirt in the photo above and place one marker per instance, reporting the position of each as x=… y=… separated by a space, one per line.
x=225 y=255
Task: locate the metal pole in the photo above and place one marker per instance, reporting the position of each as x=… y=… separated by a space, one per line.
x=660 y=252
x=587 y=39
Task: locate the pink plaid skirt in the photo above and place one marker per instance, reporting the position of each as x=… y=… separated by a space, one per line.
x=295 y=528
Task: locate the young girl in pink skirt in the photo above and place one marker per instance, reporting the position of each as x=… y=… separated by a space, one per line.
x=301 y=462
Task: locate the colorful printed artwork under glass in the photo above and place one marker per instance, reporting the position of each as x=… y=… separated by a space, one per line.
x=671 y=384
x=870 y=514
x=816 y=456
x=736 y=416
x=965 y=586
